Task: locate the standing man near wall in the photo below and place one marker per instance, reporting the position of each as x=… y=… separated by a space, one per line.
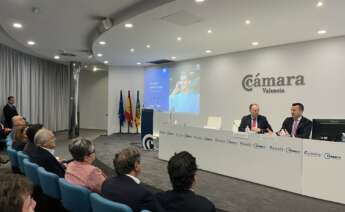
x=254 y=121
x=10 y=111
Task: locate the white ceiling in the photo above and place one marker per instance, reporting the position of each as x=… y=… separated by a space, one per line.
x=273 y=22
x=59 y=25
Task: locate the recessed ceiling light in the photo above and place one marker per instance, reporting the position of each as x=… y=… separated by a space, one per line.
x=255 y=43
x=173 y=57
x=139 y=63
x=102 y=43
x=17 y=25
x=95 y=69
x=320 y=32
x=199 y=1
x=248 y=22
x=31 y=43
x=209 y=31
x=319 y=4
x=132 y=50
x=99 y=55
x=128 y=25
x=148 y=46
x=57 y=57
x=85 y=66
x=179 y=38
x=106 y=62
x=208 y=51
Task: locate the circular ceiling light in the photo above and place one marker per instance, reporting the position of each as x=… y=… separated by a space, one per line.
x=102 y=43
x=31 y=43
x=17 y=25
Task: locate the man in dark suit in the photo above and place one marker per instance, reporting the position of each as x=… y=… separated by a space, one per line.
x=43 y=155
x=126 y=187
x=9 y=111
x=182 y=170
x=296 y=125
x=254 y=121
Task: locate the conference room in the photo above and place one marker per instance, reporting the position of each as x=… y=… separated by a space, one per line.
x=172 y=105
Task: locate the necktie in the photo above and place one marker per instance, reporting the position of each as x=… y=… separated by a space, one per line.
x=294 y=127
x=254 y=123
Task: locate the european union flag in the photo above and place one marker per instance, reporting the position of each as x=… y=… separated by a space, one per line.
x=121 y=112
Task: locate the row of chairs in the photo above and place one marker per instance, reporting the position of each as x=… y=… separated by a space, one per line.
x=74 y=198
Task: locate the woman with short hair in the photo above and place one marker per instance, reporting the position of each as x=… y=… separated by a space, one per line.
x=81 y=171
x=20 y=139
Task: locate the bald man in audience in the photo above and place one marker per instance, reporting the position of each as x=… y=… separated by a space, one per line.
x=254 y=121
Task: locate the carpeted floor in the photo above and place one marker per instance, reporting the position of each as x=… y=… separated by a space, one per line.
x=227 y=193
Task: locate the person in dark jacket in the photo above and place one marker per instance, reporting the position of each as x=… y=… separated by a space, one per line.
x=296 y=125
x=10 y=111
x=126 y=188
x=254 y=121
x=31 y=131
x=44 y=153
x=182 y=169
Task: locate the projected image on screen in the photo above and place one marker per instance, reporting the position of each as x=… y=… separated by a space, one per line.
x=184 y=92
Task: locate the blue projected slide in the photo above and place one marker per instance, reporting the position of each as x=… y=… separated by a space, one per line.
x=174 y=89
x=156 y=89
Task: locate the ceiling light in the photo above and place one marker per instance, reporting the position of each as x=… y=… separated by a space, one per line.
x=248 y=22
x=99 y=55
x=95 y=69
x=173 y=57
x=102 y=43
x=208 y=51
x=85 y=66
x=255 y=43
x=209 y=31
x=148 y=46
x=199 y=1
x=319 y=4
x=179 y=38
x=90 y=56
x=139 y=63
x=320 y=32
x=31 y=43
x=57 y=57
x=17 y=25
x=132 y=50
x=128 y=25
x=106 y=62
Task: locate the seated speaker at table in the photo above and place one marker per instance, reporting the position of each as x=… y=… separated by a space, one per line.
x=296 y=125
x=254 y=121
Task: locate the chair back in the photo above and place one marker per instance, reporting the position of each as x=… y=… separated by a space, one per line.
x=100 y=204
x=12 y=154
x=49 y=183
x=214 y=122
x=31 y=171
x=74 y=198
x=21 y=157
x=235 y=125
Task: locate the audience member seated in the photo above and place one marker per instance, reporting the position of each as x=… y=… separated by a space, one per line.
x=44 y=153
x=17 y=121
x=125 y=187
x=15 y=194
x=20 y=138
x=31 y=131
x=81 y=171
x=182 y=170
x=4 y=131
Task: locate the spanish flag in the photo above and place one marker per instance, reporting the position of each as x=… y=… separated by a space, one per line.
x=128 y=110
x=137 y=112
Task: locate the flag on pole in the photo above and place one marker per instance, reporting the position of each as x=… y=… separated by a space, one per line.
x=128 y=111
x=121 y=112
x=137 y=112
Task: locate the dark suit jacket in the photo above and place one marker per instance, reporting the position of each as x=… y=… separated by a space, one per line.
x=45 y=159
x=303 y=129
x=261 y=122
x=30 y=149
x=183 y=201
x=125 y=190
x=18 y=145
x=9 y=112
